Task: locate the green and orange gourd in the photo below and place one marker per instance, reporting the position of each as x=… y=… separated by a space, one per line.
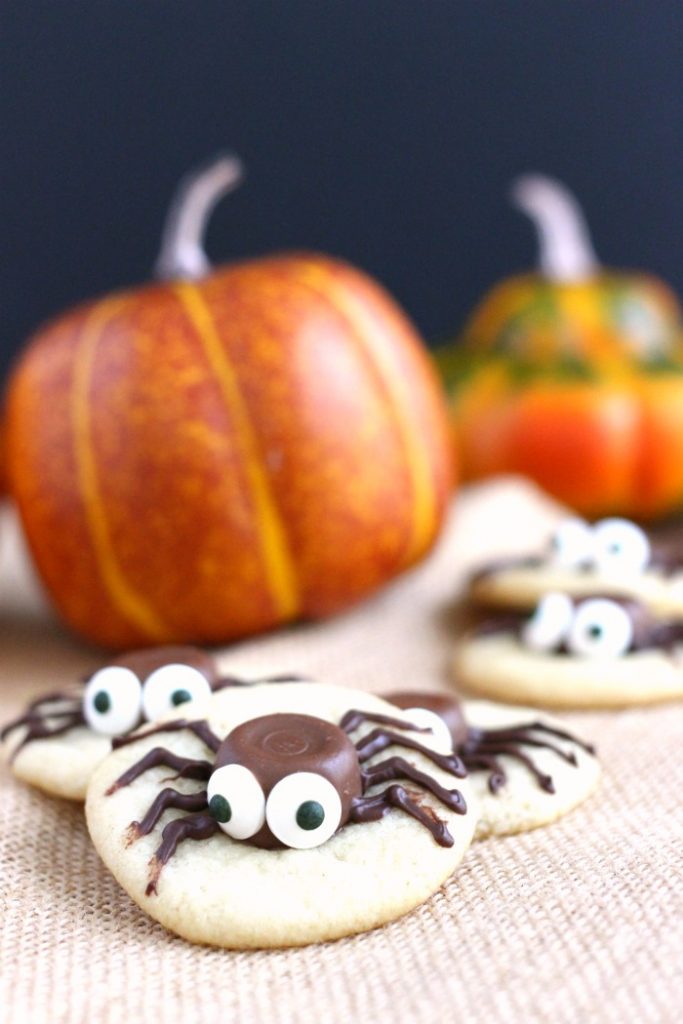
x=572 y=375
x=226 y=450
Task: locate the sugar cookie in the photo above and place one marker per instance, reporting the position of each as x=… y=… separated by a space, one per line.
x=316 y=812
x=598 y=651
x=525 y=768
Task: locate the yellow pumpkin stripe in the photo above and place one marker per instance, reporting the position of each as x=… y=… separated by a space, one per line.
x=130 y=605
x=363 y=328
x=277 y=559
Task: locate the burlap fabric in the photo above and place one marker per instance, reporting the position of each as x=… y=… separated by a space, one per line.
x=579 y=922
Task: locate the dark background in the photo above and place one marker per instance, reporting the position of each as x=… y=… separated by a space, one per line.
x=385 y=132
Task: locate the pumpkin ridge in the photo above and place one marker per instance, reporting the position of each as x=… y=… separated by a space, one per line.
x=133 y=608
x=417 y=467
x=278 y=563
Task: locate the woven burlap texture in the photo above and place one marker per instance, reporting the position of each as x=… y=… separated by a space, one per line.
x=579 y=922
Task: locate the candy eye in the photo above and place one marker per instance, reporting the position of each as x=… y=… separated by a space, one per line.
x=112 y=701
x=571 y=545
x=549 y=625
x=426 y=719
x=169 y=687
x=620 y=546
x=236 y=801
x=601 y=629
x=303 y=810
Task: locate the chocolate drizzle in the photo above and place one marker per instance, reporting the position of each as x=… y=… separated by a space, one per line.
x=481 y=748
x=277 y=746
x=43 y=722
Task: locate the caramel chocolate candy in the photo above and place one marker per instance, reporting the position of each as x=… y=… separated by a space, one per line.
x=273 y=747
x=146 y=661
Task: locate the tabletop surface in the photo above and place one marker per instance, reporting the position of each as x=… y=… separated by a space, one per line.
x=578 y=922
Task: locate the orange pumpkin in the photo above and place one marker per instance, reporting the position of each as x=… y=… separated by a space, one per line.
x=573 y=377
x=209 y=457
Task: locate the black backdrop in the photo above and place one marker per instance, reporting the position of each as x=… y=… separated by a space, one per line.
x=384 y=131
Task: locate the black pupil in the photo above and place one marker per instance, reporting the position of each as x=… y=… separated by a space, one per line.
x=594 y=631
x=102 y=702
x=310 y=815
x=219 y=808
x=180 y=697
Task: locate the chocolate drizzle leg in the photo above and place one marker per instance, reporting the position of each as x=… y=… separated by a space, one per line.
x=200 y=728
x=379 y=739
x=42 y=723
x=371 y=808
x=157 y=757
x=168 y=798
x=481 y=748
x=197 y=826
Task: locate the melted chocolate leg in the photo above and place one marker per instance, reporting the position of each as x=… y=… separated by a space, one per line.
x=487 y=762
x=168 y=797
x=196 y=826
x=399 y=768
x=54 y=698
x=186 y=767
x=37 y=716
x=493 y=743
x=544 y=781
x=352 y=719
x=372 y=808
x=199 y=728
x=380 y=739
x=40 y=729
x=516 y=732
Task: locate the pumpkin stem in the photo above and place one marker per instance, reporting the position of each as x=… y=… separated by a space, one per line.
x=566 y=251
x=182 y=244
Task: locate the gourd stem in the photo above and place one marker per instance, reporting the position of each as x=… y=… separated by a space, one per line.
x=566 y=252
x=182 y=246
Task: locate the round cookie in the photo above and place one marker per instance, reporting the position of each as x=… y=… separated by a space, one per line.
x=224 y=891
x=521 y=804
x=500 y=667
x=525 y=769
x=55 y=745
x=612 y=556
x=521 y=584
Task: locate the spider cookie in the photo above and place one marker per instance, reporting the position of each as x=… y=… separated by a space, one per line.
x=591 y=652
x=56 y=744
x=524 y=768
x=289 y=814
x=612 y=556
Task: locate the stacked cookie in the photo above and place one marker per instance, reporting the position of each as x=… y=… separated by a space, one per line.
x=281 y=812
x=594 y=620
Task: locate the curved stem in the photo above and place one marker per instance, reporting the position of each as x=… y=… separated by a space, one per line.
x=566 y=251
x=182 y=245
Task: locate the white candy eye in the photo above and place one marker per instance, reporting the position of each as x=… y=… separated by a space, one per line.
x=549 y=625
x=571 y=545
x=236 y=801
x=601 y=629
x=303 y=810
x=620 y=547
x=169 y=687
x=426 y=719
x=112 y=701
